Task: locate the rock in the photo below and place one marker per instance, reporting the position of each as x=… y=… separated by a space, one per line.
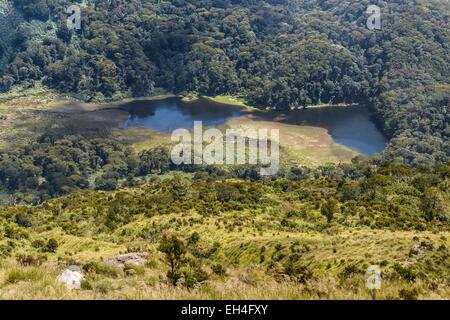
x=136 y=258
x=419 y=249
x=414 y=250
x=74 y=268
x=71 y=277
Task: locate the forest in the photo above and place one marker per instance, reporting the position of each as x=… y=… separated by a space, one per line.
x=278 y=54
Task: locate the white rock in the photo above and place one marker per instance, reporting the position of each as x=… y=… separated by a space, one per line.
x=72 y=279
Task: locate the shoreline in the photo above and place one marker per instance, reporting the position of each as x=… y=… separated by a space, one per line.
x=71 y=99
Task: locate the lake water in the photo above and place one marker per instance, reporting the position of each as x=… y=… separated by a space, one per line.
x=169 y=114
x=349 y=126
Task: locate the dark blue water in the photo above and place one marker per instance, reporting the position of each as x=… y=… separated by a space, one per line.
x=349 y=126
x=171 y=114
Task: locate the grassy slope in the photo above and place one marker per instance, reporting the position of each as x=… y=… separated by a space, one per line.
x=337 y=255
x=242 y=234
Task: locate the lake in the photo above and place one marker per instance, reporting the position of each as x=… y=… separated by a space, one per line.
x=350 y=126
x=170 y=114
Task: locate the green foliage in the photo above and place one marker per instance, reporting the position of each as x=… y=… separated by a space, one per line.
x=86 y=285
x=31 y=260
x=155 y=161
x=406 y=273
x=328 y=208
x=278 y=54
x=25 y=274
x=174 y=250
x=37 y=9
x=219 y=269
x=50 y=246
x=100 y=268
x=409 y=294
x=296 y=272
x=133 y=270
x=432 y=204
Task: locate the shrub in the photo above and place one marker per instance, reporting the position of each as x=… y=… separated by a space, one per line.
x=297 y=273
x=350 y=270
x=104 y=287
x=101 y=269
x=219 y=269
x=38 y=244
x=194 y=238
x=151 y=263
x=23 y=220
x=28 y=274
x=50 y=246
x=174 y=250
x=174 y=276
x=409 y=294
x=133 y=269
x=328 y=208
x=30 y=260
x=405 y=272
x=86 y=285
x=152 y=281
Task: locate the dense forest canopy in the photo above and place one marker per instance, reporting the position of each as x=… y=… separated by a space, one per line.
x=275 y=53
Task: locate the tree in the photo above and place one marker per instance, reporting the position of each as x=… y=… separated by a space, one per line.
x=432 y=204
x=328 y=208
x=174 y=250
x=50 y=246
x=154 y=161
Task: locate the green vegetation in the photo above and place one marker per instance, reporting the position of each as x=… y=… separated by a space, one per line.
x=77 y=189
x=277 y=54
x=278 y=238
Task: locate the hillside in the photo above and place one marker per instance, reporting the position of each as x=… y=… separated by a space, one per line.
x=266 y=240
x=80 y=190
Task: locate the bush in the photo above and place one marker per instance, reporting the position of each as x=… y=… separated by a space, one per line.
x=189 y=278
x=152 y=281
x=133 y=269
x=23 y=220
x=151 y=263
x=50 y=246
x=86 y=285
x=409 y=294
x=30 y=260
x=104 y=287
x=29 y=274
x=101 y=269
x=38 y=244
x=174 y=250
x=405 y=272
x=174 y=276
x=297 y=273
x=219 y=269
x=350 y=270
